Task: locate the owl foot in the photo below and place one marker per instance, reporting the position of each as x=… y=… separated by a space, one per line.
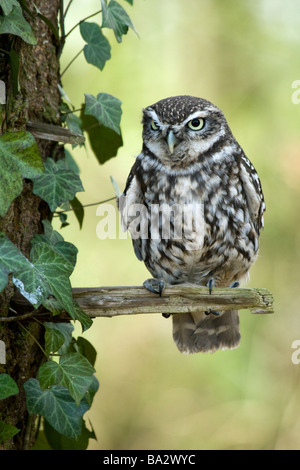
x=213 y=312
x=234 y=284
x=155 y=285
x=210 y=284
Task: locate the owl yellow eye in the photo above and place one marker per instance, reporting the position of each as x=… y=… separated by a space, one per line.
x=196 y=124
x=154 y=126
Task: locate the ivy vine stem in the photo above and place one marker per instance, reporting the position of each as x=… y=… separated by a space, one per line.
x=74 y=110
x=34 y=339
x=81 y=21
x=18 y=317
x=68 y=6
x=62 y=28
x=56 y=213
x=71 y=62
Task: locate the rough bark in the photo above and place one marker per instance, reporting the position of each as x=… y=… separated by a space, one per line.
x=38 y=100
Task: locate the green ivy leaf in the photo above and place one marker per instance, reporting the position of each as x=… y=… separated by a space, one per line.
x=65 y=329
x=106 y=109
x=86 y=349
x=54 y=339
x=22 y=148
x=63 y=218
x=47 y=272
x=78 y=210
x=27 y=280
x=19 y=157
x=73 y=122
x=73 y=372
x=57 y=406
x=60 y=257
x=50 y=236
x=77 y=313
x=92 y=390
x=105 y=142
x=8 y=386
x=52 y=304
x=57 y=266
x=57 y=185
x=69 y=160
x=50 y=266
x=54 y=268
x=59 y=286
x=63 y=253
x=15 y=23
x=97 y=49
x=74 y=125
x=12 y=260
x=7 y=431
x=115 y=17
x=7 y=5
x=59 y=442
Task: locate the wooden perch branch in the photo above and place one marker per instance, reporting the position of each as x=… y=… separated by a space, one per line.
x=112 y=301
x=128 y=300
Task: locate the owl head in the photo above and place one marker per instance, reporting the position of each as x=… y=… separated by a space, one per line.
x=177 y=130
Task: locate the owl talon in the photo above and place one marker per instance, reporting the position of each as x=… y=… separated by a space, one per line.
x=234 y=284
x=213 y=312
x=210 y=284
x=156 y=286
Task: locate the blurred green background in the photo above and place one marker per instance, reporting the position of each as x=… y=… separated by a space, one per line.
x=243 y=56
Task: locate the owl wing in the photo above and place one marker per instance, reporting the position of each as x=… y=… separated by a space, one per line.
x=253 y=192
x=132 y=194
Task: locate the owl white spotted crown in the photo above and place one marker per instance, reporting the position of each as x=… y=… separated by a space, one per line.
x=177 y=109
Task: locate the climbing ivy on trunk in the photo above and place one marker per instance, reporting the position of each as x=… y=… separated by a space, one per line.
x=57 y=384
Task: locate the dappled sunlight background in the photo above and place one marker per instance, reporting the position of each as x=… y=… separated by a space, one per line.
x=243 y=56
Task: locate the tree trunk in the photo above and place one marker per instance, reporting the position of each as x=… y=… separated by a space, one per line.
x=38 y=99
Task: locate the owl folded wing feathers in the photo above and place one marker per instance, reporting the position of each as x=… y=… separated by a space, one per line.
x=253 y=192
x=128 y=205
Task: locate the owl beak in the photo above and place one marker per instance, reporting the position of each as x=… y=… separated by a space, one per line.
x=171 y=141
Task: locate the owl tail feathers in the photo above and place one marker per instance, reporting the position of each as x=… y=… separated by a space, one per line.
x=198 y=332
